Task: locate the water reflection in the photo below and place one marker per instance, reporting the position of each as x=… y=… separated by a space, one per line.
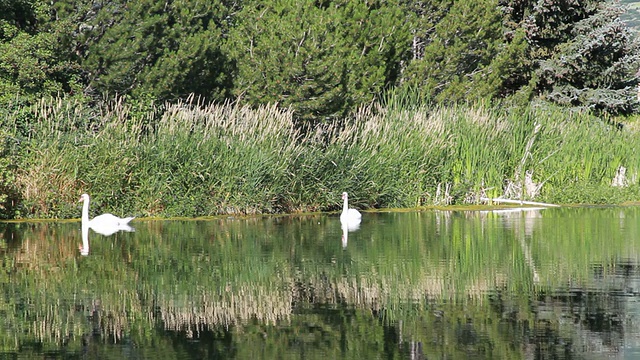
x=523 y=222
x=102 y=230
x=555 y=283
x=347 y=227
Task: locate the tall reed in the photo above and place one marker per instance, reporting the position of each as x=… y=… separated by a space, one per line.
x=193 y=159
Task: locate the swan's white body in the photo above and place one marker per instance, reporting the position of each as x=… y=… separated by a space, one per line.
x=105 y=224
x=349 y=217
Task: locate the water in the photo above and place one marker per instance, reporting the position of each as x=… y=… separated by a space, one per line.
x=555 y=283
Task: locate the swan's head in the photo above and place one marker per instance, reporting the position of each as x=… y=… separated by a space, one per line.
x=84 y=197
x=344 y=195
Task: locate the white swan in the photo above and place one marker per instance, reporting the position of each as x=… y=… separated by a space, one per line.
x=350 y=217
x=105 y=224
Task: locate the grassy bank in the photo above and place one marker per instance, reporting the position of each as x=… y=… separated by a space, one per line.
x=193 y=160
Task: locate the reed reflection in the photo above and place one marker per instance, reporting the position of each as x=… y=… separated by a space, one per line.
x=523 y=222
x=449 y=283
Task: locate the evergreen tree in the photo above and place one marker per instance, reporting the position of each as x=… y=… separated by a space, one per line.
x=323 y=59
x=34 y=61
x=456 y=51
x=582 y=54
x=158 y=49
x=632 y=16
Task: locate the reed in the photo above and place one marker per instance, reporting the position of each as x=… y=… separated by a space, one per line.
x=193 y=159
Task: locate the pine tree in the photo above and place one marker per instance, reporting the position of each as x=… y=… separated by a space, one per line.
x=582 y=54
x=33 y=59
x=158 y=49
x=323 y=59
x=455 y=44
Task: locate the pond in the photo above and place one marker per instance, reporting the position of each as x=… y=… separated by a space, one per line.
x=551 y=283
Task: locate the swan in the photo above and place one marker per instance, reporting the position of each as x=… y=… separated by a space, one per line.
x=105 y=224
x=350 y=217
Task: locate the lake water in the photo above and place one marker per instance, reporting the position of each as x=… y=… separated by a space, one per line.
x=555 y=283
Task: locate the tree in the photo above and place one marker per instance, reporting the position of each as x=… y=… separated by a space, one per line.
x=33 y=63
x=323 y=58
x=456 y=51
x=158 y=49
x=582 y=54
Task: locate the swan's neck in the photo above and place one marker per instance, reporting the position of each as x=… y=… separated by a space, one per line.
x=345 y=206
x=85 y=212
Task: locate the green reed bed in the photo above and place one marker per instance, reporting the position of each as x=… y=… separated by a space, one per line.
x=426 y=156
x=578 y=158
x=400 y=158
x=218 y=160
x=191 y=159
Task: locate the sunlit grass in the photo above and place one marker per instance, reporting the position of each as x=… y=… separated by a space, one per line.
x=191 y=159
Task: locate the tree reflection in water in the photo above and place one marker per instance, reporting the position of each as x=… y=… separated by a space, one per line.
x=553 y=283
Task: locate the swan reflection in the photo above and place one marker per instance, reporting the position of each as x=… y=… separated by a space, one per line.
x=346 y=228
x=106 y=231
x=84 y=248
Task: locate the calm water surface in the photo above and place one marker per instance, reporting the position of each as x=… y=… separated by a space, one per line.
x=555 y=283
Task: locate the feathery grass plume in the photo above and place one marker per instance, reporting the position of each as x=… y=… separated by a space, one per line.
x=194 y=159
x=230 y=158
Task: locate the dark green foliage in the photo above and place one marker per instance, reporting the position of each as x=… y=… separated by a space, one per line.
x=9 y=194
x=18 y=15
x=168 y=50
x=583 y=54
x=576 y=54
x=322 y=60
x=454 y=48
x=33 y=59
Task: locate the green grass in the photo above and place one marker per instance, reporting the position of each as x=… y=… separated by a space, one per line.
x=190 y=159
